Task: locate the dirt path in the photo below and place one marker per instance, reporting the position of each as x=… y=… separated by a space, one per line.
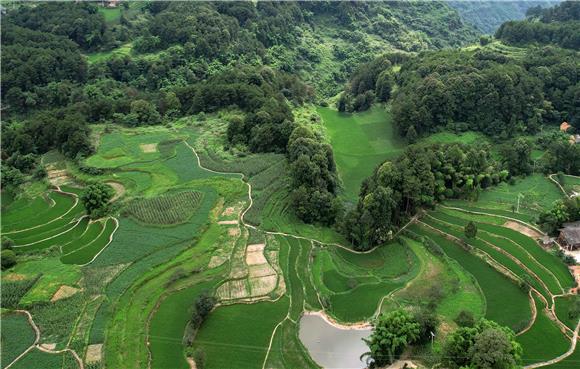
x=119 y=189
x=551 y=176
x=40 y=347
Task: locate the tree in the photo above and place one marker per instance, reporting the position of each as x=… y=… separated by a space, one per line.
x=487 y=345
x=465 y=319
x=411 y=135
x=517 y=156
x=96 y=199
x=7 y=243
x=204 y=304
x=470 y=230
x=391 y=334
x=8 y=259
x=145 y=112
x=492 y=349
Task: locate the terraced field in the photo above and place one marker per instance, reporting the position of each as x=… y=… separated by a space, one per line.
x=505 y=264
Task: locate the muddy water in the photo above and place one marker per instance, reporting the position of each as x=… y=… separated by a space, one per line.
x=331 y=346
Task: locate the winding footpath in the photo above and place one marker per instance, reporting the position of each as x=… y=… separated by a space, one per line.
x=36 y=345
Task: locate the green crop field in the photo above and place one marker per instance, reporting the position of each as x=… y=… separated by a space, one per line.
x=563 y=310
x=168 y=324
x=496 y=288
x=17 y=336
x=167 y=209
x=360 y=142
x=544 y=340
x=244 y=329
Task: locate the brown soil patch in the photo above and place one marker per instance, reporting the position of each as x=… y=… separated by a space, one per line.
x=94 y=353
x=64 y=292
x=228 y=222
x=148 y=148
x=400 y=364
x=256 y=247
x=228 y=211
x=216 y=261
x=57 y=177
x=522 y=229
x=234 y=232
x=261 y=270
x=191 y=363
x=119 y=189
x=48 y=346
x=255 y=258
x=14 y=277
x=263 y=285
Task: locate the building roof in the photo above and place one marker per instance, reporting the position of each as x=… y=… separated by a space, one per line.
x=564 y=126
x=571 y=233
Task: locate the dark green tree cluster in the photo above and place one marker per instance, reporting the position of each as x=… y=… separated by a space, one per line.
x=487 y=92
x=485 y=345
x=373 y=81
x=562 y=211
x=517 y=157
x=96 y=199
x=314 y=178
x=421 y=176
x=7 y=254
x=80 y=22
x=559 y=25
x=203 y=305
x=394 y=332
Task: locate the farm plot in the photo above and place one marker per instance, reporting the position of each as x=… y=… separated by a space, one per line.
x=342 y=276
x=17 y=335
x=360 y=142
x=86 y=253
x=544 y=340
x=567 y=311
x=533 y=193
x=22 y=216
x=238 y=336
x=44 y=360
x=287 y=350
x=503 y=258
x=168 y=326
x=540 y=263
x=496 y=288
x=168 y=209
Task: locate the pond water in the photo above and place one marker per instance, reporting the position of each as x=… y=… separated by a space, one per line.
x=331 y=346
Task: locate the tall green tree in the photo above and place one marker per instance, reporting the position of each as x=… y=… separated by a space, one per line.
x=391 y=334
x=96 y=198
x=470 y=230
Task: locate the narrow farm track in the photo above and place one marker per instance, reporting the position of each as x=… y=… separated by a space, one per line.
x=35 y=345
x=551 y=177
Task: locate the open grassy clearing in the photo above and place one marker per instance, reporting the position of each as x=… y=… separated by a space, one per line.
x=496 y=288
x=17 y=335
x=360 y=142
x=544 y=341
x=466 y=138
x=237 y=336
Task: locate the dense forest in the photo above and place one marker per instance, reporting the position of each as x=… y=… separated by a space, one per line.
x=559 y=25
x=487 y=16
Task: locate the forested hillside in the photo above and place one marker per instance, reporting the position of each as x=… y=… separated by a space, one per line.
x=487 y=16
x=559 y=25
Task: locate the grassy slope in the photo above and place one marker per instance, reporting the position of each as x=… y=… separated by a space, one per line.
x=360 y=142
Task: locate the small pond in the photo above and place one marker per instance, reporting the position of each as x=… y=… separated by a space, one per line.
x=331 y=346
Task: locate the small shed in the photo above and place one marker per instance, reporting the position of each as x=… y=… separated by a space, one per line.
x=570 y=236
